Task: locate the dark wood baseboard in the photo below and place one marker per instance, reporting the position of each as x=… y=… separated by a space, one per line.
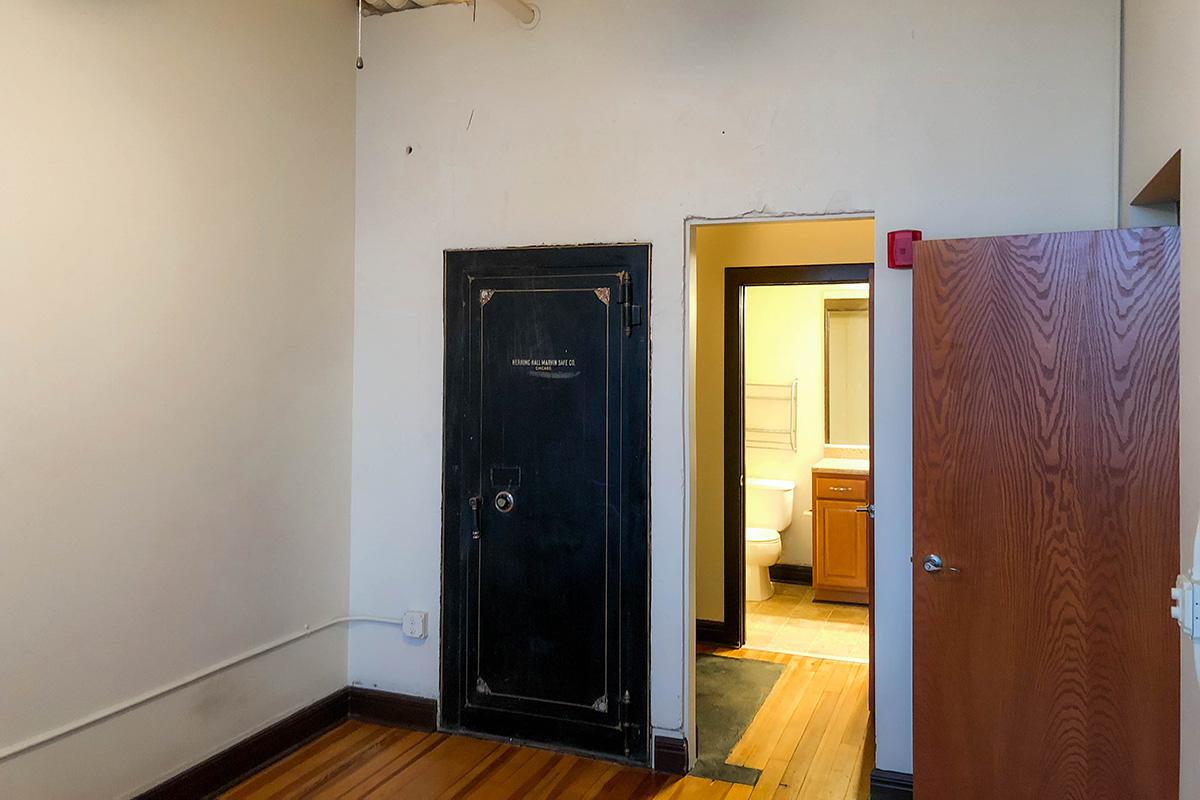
x=386 y=708
x=242 y=759
x=670 y=755
x=888 y=785
x=791 y=573
x=714 y=632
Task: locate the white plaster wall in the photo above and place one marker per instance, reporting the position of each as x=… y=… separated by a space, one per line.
x=613 y=121
x=1162 y=115
x=176 y=257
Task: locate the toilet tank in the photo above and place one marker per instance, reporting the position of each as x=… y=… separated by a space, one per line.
x=769 y=503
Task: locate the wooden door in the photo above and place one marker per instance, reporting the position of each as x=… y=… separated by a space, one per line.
x=1046 y=477
x=546 y=498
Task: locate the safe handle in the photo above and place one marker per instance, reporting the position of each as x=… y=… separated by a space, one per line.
x=477 y=512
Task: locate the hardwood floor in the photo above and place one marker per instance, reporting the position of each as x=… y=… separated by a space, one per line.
x=810 y=739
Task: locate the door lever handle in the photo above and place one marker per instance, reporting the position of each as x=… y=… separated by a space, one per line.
x=869 y=510
x=933 y=563
x=476 y=507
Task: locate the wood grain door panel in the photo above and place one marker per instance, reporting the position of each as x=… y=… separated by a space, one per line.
x=842 y=544
x=1045 y=468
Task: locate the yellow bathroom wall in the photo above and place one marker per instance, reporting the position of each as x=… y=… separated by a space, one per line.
x=717 y=248
x=784 y=341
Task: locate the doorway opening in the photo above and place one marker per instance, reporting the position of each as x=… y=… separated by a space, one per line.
x=783 y=504
x=798 y=426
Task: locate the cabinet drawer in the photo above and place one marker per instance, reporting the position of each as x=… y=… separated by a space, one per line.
x=841 y=487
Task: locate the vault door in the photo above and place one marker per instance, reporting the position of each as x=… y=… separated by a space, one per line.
x=546 y=547
x=541 y=604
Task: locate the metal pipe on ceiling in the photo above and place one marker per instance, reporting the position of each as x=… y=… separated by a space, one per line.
x=525 y=13
x=388 y=6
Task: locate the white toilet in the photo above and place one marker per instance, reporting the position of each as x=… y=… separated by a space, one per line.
x=768 y=511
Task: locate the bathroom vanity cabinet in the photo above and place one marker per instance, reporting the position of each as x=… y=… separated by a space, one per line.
x=839 y=537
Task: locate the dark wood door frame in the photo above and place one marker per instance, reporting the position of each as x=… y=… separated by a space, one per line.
x=631 y=264
x=731 y=631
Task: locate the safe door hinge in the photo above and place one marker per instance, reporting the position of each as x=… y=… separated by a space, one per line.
x=628 y=729
x=631 y=314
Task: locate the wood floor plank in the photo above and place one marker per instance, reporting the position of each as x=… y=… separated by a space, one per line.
x=597 y=785
x=566 y=779
x=797 y=760
x=623 y=784
x=433 y=772
x=793 y=731
x=411 y=746
x=516 y=782
x=758 y=743
x=829 y=773
x=490 y=769
x=738 y=791
x=499 y=781
x=812 y=738
x=866 y=762
x=325 y=782
x=700 y=788
x=303 y=756
x=325 y=753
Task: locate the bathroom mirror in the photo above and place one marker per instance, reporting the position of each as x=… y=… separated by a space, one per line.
x=847 y=371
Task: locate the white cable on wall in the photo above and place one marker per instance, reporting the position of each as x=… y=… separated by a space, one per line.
x=128 y=705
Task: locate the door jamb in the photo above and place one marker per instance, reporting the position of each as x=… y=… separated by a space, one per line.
x=687 y=552
x=737 y=279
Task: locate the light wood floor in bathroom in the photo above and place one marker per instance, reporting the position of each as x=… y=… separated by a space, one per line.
x=810 y=739
x=791 y=621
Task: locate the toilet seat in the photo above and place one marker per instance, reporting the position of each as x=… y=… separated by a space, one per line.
x=763 y=535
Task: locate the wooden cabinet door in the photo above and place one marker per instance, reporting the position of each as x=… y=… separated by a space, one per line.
x=840 y=558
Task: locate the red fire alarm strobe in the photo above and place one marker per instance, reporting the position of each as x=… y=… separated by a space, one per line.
x=900 y=248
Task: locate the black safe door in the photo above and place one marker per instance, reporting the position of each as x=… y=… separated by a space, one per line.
x=546 y=600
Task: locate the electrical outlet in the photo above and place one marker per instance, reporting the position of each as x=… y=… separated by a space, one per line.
x=416 y=624
x=1185 y=605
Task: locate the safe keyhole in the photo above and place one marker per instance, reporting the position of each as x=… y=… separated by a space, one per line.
x=504 y=502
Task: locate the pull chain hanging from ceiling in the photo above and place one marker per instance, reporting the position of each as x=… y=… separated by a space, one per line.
x=359 y=62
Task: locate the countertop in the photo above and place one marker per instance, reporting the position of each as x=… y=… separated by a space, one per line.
x=843 y=466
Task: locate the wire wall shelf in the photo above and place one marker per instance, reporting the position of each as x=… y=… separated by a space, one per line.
x=770 y=415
